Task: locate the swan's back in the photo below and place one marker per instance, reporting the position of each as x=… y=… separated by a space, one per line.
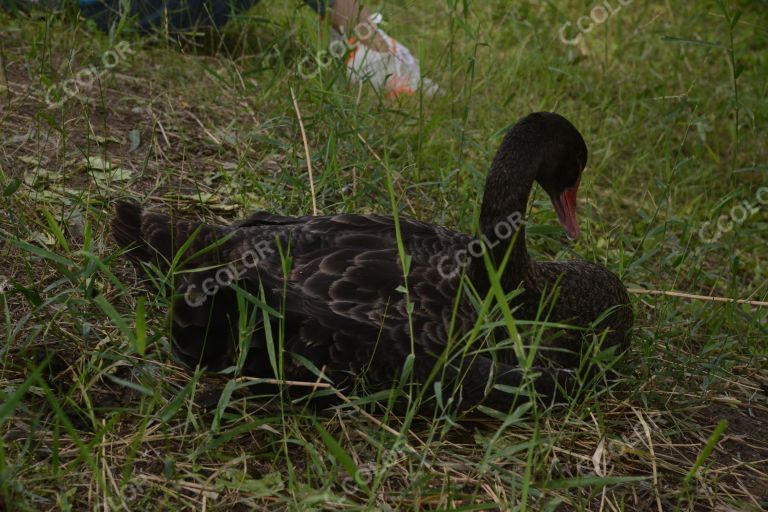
x=337 y=281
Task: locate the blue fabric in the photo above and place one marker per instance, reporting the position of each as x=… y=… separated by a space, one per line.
x=176 y=15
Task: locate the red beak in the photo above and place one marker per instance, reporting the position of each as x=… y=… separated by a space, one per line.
x=565 y=207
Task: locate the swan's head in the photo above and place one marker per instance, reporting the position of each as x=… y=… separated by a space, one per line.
x=563 y=156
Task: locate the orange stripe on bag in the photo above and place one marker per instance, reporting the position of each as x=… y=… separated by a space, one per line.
x=352 y=42
x=398 y=85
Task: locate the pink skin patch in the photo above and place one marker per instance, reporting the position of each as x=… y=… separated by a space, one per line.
x=565 y=207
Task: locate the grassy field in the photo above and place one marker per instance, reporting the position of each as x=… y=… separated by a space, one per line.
x=671 y=99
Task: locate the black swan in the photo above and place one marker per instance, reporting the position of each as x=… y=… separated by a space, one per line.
x=334 y=285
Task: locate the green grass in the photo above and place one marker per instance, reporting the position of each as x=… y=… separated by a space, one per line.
x=671 y=98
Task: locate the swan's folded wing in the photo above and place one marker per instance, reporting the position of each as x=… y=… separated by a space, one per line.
x=354 y=310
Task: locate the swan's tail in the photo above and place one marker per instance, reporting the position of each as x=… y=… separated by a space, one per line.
x=144 y=236
x=126 y=231
x=156 y=238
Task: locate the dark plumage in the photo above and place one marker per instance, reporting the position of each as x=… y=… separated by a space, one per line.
x=342 y=295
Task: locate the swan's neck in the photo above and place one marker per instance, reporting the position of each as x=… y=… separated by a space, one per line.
x=502 y=218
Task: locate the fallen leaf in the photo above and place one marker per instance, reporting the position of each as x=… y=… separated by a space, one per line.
x=105 y=172
x=135 y=139
x=103 y=140
x=39 y=176
x=597 y=458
